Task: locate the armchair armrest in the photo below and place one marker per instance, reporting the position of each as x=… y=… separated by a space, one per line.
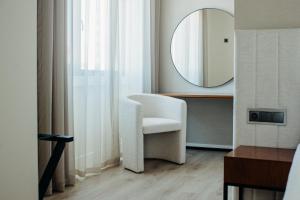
x=131 y=132
x=130 y=117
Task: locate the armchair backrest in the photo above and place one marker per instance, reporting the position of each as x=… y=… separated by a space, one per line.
x=154 y=105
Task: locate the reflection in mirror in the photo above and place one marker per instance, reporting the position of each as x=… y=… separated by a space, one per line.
x=202 y=47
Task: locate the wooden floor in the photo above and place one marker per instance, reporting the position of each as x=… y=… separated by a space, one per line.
x=200 y=178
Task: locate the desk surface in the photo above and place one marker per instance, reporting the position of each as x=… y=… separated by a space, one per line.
x=204 y=96
x=258 y=167
x=263 y=153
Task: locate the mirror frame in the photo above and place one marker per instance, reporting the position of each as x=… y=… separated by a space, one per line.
x=225 y=83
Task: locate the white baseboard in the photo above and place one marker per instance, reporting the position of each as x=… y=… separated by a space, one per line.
x=214 y=146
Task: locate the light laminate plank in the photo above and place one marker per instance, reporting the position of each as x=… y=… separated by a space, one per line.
x=201 y=178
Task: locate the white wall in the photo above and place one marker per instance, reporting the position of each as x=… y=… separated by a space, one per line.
x=266 y=14
x=171 y=13
x=267 y=76
x=220 y=55
x=268 y=66
x=18 y=106
x=209 y=121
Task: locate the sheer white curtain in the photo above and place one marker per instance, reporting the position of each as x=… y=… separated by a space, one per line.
x=187 y=48
x=138 y=45
x=111 y=58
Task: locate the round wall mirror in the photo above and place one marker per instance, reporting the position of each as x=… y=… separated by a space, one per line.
x=202 y=47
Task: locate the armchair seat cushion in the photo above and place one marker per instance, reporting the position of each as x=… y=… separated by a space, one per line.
x=153 y=125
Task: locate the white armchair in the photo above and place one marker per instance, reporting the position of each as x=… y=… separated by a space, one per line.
x=152 y=126
x=292 y=188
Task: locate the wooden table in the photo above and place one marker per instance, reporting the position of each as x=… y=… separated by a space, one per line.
x=48 y=173
x=257 y=168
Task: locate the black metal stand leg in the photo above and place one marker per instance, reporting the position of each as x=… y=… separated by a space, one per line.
x=50 y=168
x=225 y=192
x=241 y=193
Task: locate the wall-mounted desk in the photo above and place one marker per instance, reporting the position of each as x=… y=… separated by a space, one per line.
x=201 y=96
x=210 y=119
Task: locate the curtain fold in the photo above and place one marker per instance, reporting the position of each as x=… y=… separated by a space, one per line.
x=55 y=115
x=113 y=43
x=187 y=48
x=154 y=31
x=95 y=85
x=91 y=54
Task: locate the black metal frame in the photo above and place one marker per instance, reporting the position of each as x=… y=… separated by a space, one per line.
x=243 y=186
x=208 y=149
x=61 y=141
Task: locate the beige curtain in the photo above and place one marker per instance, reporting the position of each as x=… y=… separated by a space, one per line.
x=54 y=79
